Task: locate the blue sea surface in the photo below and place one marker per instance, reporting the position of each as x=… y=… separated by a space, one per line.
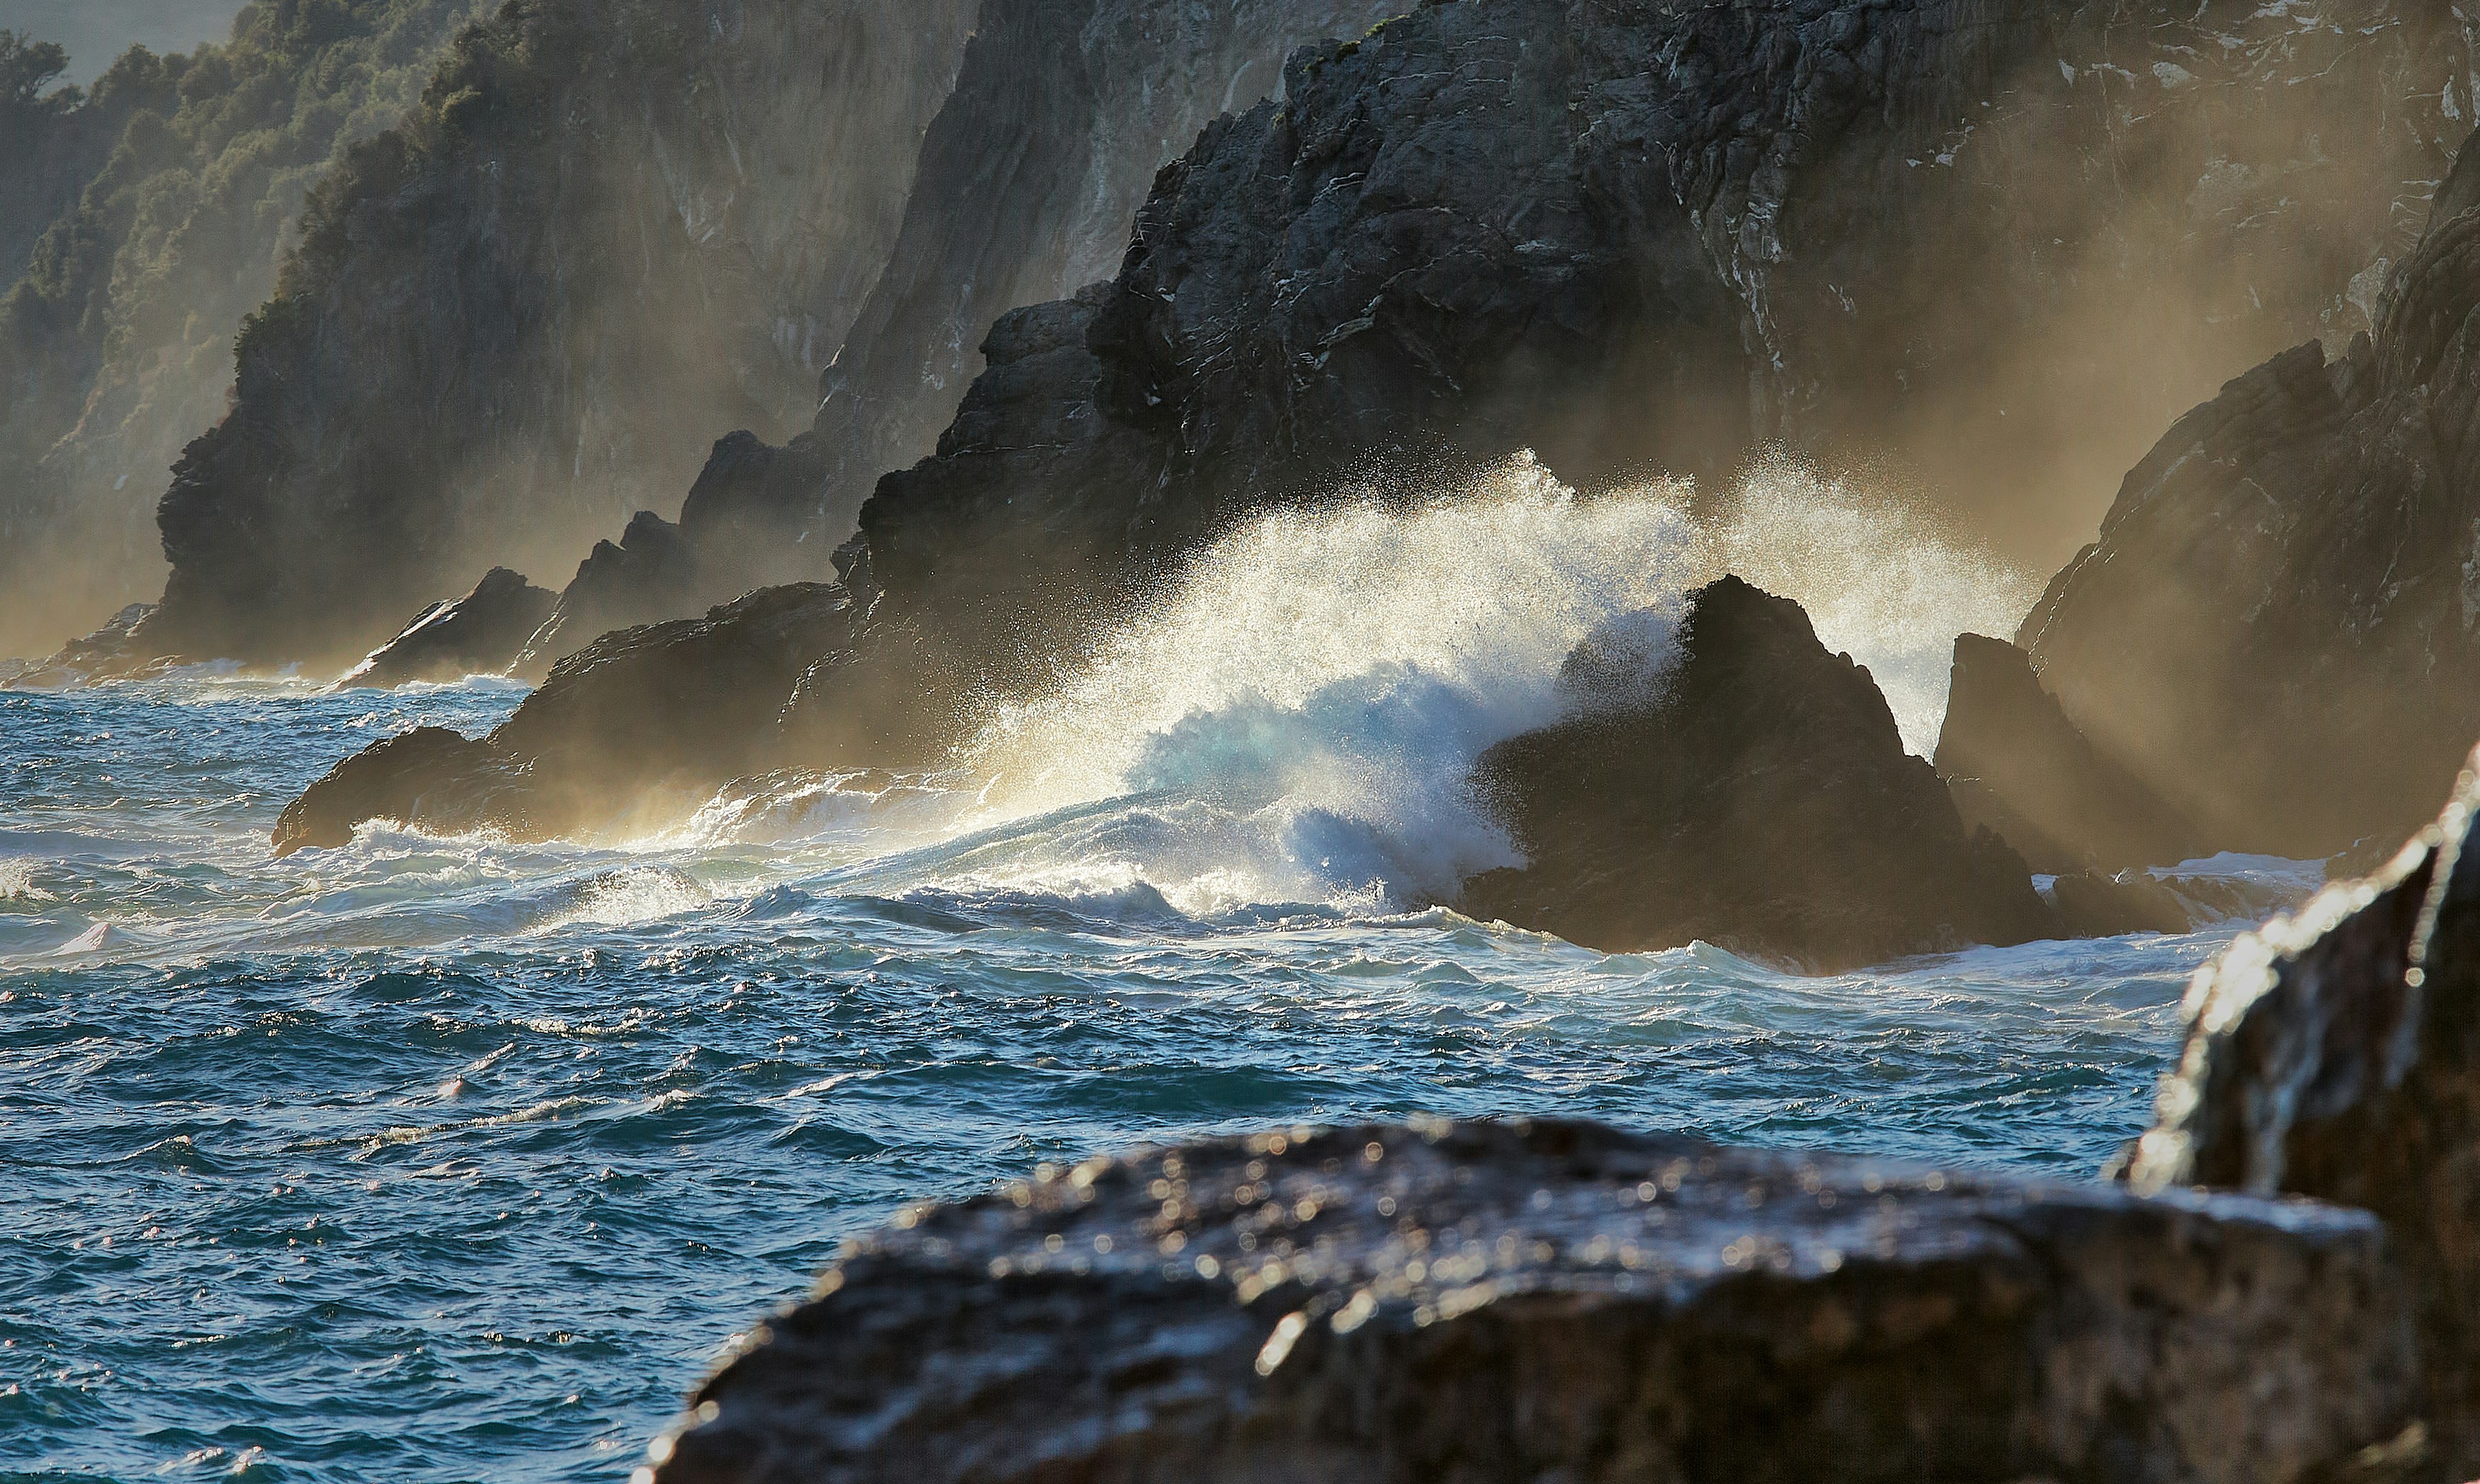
x=453 y=1160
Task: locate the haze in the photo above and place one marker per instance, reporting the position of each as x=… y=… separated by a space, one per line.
x=96 y=30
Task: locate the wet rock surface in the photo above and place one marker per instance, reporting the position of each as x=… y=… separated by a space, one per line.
x=1755 y=795
x=1561 y=1300
x=480 y=633
x=2278 y=628
x=2335 y=1053
x=2017 y=765
x=634 y=729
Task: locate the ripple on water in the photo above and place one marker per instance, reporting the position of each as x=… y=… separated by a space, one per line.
x=442 y=1160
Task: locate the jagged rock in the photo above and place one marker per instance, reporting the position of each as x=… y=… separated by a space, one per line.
x=431 y=775
x=109 y=652
x=2335 y=1053
x=480 y=633
x=1558 y=1301
x=605 y=237
x=2275 y=629
x=1626 y=233
x=2016 y=765
x=653 y=574
x=632 y=729
x=1757 y=796
x=2091 y=905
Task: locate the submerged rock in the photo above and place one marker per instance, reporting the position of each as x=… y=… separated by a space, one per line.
x=480 y=633
x=1757 y=796
x=2091 y=905
x=2017 y=765
x=2335 y=1053
x=1558 y=1301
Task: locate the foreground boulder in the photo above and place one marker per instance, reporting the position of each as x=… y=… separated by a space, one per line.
x=1755 y=795
x=2015 y=763
x=1547 y=1300
x=477 y=634
x=2335 y=1053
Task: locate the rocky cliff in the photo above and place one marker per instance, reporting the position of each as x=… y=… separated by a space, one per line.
x=1562 y=1301
x=115 y=344
x=606 y=234
x=2279 y=627
x=691 y=262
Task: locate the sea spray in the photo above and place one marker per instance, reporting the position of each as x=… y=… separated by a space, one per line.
x=1880 y=581
x=1306 y=702
x=1300 y=710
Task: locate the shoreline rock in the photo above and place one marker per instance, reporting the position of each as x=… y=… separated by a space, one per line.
x=1755 y=795
x=2015 y=763
x=1548 y=1300
x=480 y=633
x=2334 y=1052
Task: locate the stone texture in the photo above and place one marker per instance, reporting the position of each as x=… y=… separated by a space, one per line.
x=2335 y=1053
x=480 y=633
x=2016 y=765
x=2278 y=628
x=1562 y=1301
x=632 y=729
x=611 y=232
x=1755 y=795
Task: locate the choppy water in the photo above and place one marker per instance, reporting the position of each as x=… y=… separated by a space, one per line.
x=447 y=1160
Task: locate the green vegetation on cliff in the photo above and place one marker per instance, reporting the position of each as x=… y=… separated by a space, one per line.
x=183 y=177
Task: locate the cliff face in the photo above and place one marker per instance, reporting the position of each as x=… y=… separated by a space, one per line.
x=607 y=233
x=683 y=252
x=1028 y=180
x=1614 y=233
x=1620 y=236
x=115 y=344
x=2279 y=627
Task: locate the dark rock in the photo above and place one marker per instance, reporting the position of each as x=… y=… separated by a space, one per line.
x=431 y=775
x=1629 y=234
x=633 y=730
x=2017 y=765
x=480 y=633
x=601 y=239
x=1756 y=796
x=2277 y=626
x=652 y=574
x=1564 y=1301
x=2335 y=1054
x=109 y=652
x=2091 y=905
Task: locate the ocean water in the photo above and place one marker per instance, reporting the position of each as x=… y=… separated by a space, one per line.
x=455 y=1159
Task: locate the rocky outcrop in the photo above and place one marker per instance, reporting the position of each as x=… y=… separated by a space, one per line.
x=607 y=232
x=2017 y=765
x=1615 y=234
x=1560 y=1300
x=1028 y=181
x=1755 y=795
x=117 y=344
x=659 y=227
x=2335 y=1053
x=632 y=729
x=477 y=634
x=2279 y=627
